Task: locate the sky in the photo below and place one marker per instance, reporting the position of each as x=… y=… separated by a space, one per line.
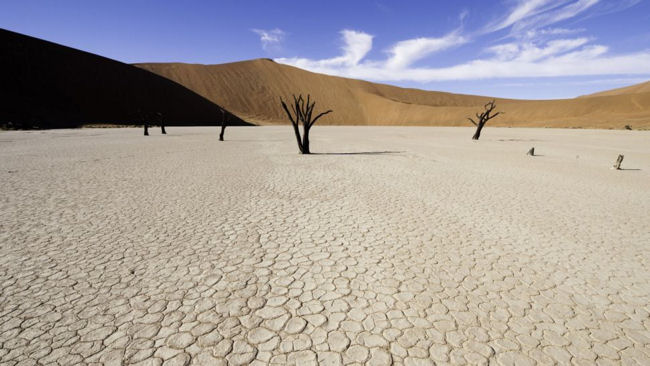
x=528 y=49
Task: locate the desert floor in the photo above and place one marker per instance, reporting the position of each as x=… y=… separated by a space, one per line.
x=397 y=244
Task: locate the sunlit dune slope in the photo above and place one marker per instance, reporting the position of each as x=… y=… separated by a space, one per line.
x=252 y=89
x=632 y=89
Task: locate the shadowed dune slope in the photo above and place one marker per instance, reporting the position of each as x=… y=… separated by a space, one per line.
x=47 y=85
x=252 y=90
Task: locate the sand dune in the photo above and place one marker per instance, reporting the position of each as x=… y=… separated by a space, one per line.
x=50 y=85
x=47 y=85
x=252 y=90
x=632 y=89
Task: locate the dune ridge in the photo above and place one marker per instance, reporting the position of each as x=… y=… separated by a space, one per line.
x=252 y=90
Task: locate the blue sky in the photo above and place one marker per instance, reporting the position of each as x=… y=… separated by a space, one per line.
x=538 y=49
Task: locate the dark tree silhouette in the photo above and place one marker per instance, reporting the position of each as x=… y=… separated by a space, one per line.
x=302 y=112
x=223 y=124
x=483 y=118
x=162 y=123
x=143 y=120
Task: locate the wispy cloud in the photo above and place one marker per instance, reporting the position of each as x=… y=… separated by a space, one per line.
x=405 y=53
x=537 y=47
x=271 y=39
x=606 y=81
x=524 y=9
x=546 y=33
x=552 y=15
x=529 y=52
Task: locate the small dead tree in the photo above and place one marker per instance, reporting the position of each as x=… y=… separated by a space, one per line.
x=223 y=124
x=143 y=120
x=619 y=160
x=531 y=152
x=302 y=112
x=162 y=123
x=483 y=118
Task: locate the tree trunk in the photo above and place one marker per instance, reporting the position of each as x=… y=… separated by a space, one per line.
x=477 y=134
x=619 y=160
x=223 y=130
x=305 y=140
x=296 y=130
x=146 y=129
x=531 y=152
x=162 y=128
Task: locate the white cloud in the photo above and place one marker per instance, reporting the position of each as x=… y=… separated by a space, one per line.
x=545 y=33
x=552 y=16
x=536 y=51
x=527 y=17
x=528 y=52
x=605 y=81
x=405 y=53
x=355 y=47
x=567 y=57
x=524 y=9
x=270 y=38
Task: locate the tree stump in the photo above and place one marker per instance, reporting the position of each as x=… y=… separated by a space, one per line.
x=223 y=124
x=531 y=152
x=619 y=160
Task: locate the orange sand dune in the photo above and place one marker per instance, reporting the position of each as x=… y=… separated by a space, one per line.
x=251 y=89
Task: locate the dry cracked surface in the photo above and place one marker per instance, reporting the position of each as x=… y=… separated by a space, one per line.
x=175 y=250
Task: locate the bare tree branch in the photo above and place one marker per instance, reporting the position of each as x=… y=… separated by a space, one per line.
x=319 y=116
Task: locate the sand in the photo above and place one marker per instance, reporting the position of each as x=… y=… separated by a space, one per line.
x=403 y=245
x=251 y=89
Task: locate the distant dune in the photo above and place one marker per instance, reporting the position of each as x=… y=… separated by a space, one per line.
x=46 y=85
x=252 y=89
x=633 y=89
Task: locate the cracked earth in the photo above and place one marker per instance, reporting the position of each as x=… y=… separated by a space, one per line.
x=426 y=249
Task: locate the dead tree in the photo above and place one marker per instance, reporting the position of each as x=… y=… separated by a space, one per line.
x=619 y=160
x=302 y=112
x=162 y=123
x=483 y=118
x=143 y=120
x=531 y=152
x=223 y=124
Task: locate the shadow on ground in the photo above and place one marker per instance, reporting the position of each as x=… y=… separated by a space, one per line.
x=360 y=153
